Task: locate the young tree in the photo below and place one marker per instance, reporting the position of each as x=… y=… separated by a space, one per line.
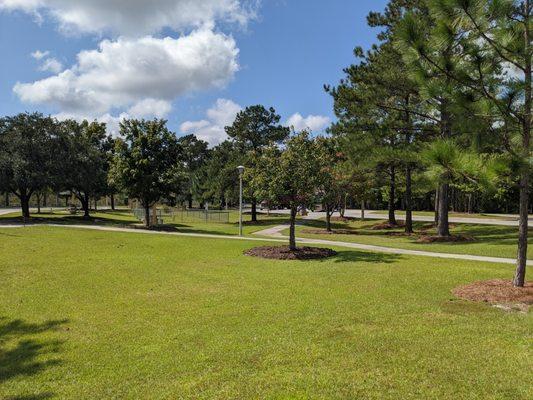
x=27 y=155
x=493 y=61
x=334 y=180
x=255 y=128
x=146 y=164
x=289 y=177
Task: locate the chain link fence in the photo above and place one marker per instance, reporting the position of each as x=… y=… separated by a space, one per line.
x=168 y=216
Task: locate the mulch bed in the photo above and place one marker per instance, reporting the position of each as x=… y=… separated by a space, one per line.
x=496 y=291
x=386 y=225
x=342 y=219
x=445 y=239
x=284 y=253
x=332 y=232
x=427 y=227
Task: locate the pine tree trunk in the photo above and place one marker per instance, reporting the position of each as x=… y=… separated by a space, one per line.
x=443 y=227
x=362 y=210
x=521 y=262
x=112 y=198
x=408 y=202
x=254 y=210
x=292 y=230
x=392 y=196
x=436 y=206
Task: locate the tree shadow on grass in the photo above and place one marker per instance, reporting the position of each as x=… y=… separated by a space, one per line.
x=367 y=257
x=22 y=351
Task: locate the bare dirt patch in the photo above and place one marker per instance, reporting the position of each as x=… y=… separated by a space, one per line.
x=498 y=292
x=284 y=253
x=445 y=239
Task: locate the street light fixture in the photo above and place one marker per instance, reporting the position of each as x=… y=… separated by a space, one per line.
x=240 y=168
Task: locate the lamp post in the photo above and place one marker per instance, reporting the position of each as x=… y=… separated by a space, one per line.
x=240 y=168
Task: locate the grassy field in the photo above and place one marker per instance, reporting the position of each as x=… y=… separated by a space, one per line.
x=124 y=218
x=489 y=240
x=100 y=315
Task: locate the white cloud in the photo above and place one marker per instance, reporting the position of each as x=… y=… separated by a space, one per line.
x=148 y=108
x=311 y=122
x=141 y=74
x=51 y=65
x=211 y=129
x=135 y=17
x=39 y=55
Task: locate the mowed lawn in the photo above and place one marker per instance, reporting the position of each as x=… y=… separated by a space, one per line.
x=488 y=240
x=126 y=219
x=100 y=315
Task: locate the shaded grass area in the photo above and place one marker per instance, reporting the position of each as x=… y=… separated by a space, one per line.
x=489 y=240
x=117 y=315
x=124 y=218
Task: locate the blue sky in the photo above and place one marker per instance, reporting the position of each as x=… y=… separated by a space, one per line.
x=278 y=53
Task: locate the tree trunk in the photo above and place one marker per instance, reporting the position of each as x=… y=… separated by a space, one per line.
x=85 y=204
x=25 y=205
x=147 y=216
x=392 y=196
x=254 y=210
x=95 y=205
x=112 y=198
x=292 y=230
x=38 y=203
x=190 y=201
x=520 y=274
x=363 y=210
x=328 y=218
x=443 y=227
x=436 y=206
x=408 y=202
x=7 y=199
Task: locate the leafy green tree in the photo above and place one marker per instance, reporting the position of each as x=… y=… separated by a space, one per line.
x=27 y=155
x=195 y=153
x=492 y=60
x=217 y=181
x=334 y=178
x=289 y=177
x=146 y=164
x=253 y=130
x=87 y=161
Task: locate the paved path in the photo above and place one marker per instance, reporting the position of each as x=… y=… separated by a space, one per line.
x=274 y=235
x=275 y=232
x=370 y=214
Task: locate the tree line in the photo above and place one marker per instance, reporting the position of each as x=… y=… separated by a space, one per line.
x=436 y=115
x=442 y=103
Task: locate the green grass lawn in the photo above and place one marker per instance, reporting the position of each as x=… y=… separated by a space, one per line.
x=490 y=240
x=124 y=218
x=100 y=315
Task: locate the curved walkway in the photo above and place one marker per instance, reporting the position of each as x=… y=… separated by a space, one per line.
x=275 y=232
x=274 y=235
